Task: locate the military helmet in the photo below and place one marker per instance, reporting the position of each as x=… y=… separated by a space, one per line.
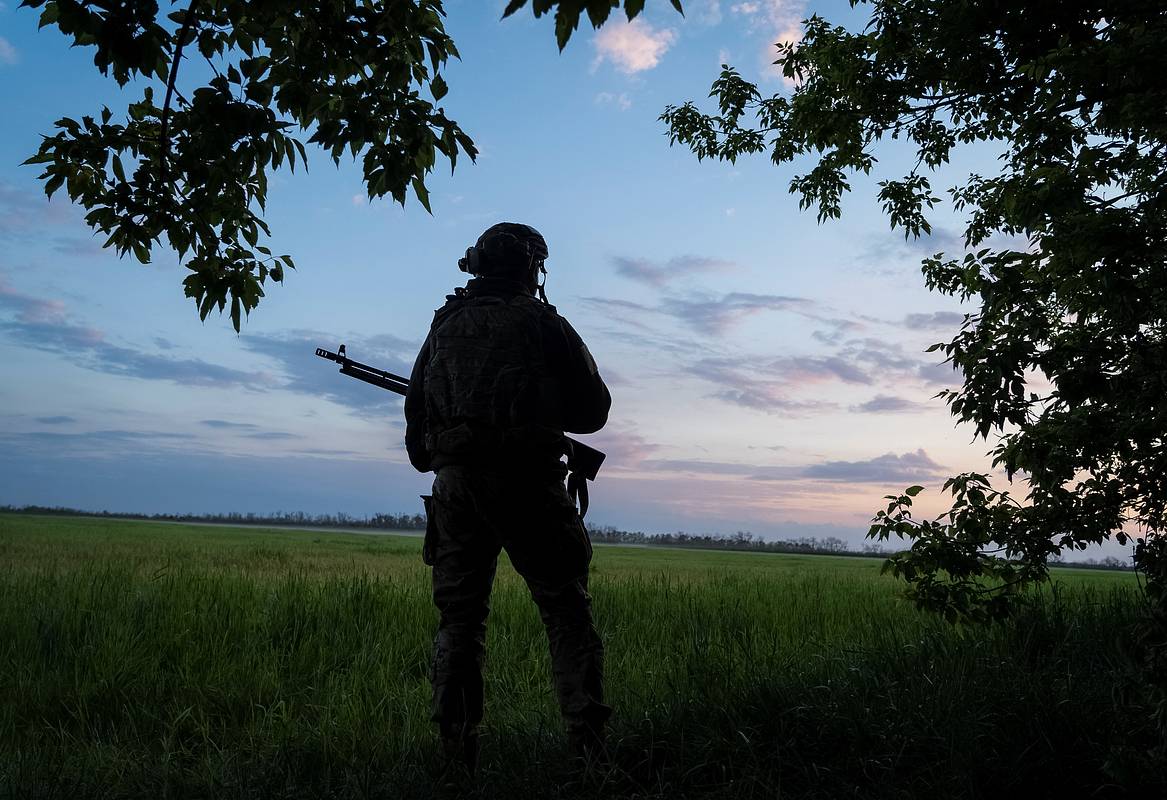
x=508 y=248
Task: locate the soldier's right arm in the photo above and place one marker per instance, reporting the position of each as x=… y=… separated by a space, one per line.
x=586 y=399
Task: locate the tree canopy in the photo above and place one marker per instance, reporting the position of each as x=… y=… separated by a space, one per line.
x=1064 y=363
x=186 y=164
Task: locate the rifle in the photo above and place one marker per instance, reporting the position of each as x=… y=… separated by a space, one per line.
x=583 y=462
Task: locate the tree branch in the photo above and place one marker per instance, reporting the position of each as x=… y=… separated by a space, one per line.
x=164 y=132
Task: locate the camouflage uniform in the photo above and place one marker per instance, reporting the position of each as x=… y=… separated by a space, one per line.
x=499 y=379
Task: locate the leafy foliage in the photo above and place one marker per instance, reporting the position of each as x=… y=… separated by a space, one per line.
x=1065 y=362
x=192 y=172
x=347 y=73
x=567 y=12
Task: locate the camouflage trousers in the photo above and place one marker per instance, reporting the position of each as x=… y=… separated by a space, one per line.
x=473 y=515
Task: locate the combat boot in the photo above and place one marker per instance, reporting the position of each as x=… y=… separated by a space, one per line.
x=589 y=744
x=460 y=747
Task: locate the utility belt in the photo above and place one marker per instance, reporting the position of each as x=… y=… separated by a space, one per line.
x=530 y=450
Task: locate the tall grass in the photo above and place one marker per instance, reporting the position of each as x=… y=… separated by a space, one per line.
x=149 y=660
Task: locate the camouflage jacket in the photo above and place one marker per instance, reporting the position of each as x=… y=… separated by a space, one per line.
x=500 y=378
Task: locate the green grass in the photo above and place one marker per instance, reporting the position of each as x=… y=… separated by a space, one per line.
x=148 y=660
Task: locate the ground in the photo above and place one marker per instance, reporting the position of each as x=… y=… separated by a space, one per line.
x=140 y=659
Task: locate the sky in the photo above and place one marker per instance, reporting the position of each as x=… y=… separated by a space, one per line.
x=768 y=372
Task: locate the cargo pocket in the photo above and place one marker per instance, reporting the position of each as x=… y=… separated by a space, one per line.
x=429 y=547
x=587 y=540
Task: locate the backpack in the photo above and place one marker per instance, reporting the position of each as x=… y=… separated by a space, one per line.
x=490 y=393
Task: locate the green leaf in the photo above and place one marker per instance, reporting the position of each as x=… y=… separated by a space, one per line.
x=422 y=193
x=566 y=21
x=912 y=491
x=438 y=87
x=50 y=15
x=512 y=7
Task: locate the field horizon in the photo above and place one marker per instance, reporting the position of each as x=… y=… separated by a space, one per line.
x=365 y=530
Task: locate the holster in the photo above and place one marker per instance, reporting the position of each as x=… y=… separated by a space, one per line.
x=577 y=489
x=429 y=547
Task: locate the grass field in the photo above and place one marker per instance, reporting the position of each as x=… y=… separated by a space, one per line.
x=150 y=660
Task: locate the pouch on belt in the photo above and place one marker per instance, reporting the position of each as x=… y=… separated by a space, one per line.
x=429 y=548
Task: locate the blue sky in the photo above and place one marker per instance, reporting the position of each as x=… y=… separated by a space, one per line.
x=767 y=372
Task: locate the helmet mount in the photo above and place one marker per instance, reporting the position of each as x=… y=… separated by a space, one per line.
x=509 y=250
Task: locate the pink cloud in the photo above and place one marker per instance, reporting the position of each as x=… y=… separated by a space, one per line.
x=781 y=22
x=632 y=47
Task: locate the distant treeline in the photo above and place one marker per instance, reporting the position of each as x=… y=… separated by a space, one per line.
x=742 y=540
x=1110 y=562
x=606 y=534
x=388 y=522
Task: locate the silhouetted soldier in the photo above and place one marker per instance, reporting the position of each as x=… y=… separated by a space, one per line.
x=499 y=379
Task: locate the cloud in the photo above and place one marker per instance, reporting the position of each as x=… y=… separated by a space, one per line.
x=939 y=374
x=622 y=101
x=633 y=46
x=888 y=468
x=753 y=472
x=942 y=320
x=698 y=466
x=8 y=54
x=837 y=329
x=880 y=357
x=46 y=325
x=716 y=316
x=270 y=436
x=181 y=479
x=658 y=274
x=777 y=384
x=705 y=12
x=25 y=214
x=623 y=446
x=887 y=363
x=295 y=354
x=708 y=315
x=745 y=384
x=226 y=425
x=76 y=246
x=100 y=444
x=915 y=467
x=248 y=430
x=812 y=369
x=780 y=21
x=885 y=403
x=890 y=253
x=59 y=420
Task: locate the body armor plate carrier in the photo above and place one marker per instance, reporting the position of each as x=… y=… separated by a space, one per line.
x=488 y=388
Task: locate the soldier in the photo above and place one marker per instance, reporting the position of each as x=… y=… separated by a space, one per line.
x=500 y=378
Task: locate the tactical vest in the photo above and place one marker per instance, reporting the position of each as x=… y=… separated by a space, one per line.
x=490 y=395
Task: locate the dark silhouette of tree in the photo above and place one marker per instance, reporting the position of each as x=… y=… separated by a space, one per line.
x=1075 y=97
x=1064 y=363
x=186 y=165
